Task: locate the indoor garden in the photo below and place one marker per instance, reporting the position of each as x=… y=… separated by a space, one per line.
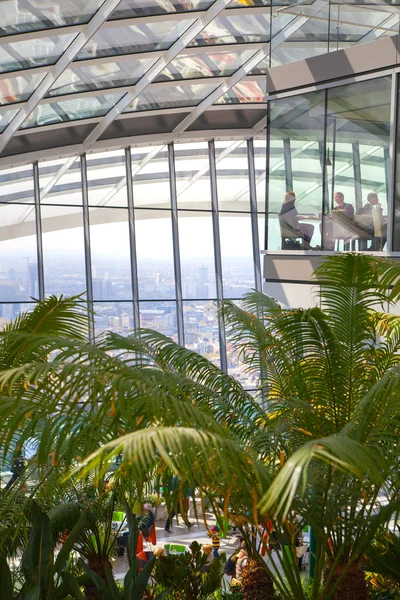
x=288 y=492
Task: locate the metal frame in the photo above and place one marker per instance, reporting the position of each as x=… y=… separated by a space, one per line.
x=39 y=241
x=86 y=238
x=393 y=163
x=254 y=216
x=217 y=253
x=155 y=70
x=175 y=242
x=54 y=72
x=132 y=238
x=357 y=175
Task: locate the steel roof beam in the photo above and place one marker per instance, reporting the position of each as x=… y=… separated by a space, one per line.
x=176 y=48
x=130 y=21
x=243 y=71
x=188 y=36
x=56 y=70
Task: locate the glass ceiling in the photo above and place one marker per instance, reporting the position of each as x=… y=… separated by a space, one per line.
x=141 y=41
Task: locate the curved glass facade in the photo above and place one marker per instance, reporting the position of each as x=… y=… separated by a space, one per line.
x=155 y=236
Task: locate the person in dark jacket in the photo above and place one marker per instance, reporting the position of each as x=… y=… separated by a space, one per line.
x=348 y=209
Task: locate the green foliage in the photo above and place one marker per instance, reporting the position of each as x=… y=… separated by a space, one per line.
x=189 y=576
x=135 y=582
x=44 y=575
x=319 y=441
x=385 y=595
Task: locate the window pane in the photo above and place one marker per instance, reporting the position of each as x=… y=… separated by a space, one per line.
x=33 y=52
x=16 y=184
x=110 y=251
x=138 y=8
x=201 y=329
x=237 y=254
x=160 y=316
x=18 y=252
x=307 y=40
x=215 y=64
x=151 y=187
x=6 y=117
x=154 y=252
x=176 y=96
x=107 y=179
x=235 y=29
x=18 y=16
x=81 y=78
x=19 y=89
x=196 y=246
x=9 y=312
x=114 y=41
x=296 y=151
x=63 y=250
x=358 y=123
x=192 y=168
x=60 y=181
x=357 y=22
x=113 y=316
x=71 y=110
x=246 y=92
x=232 y=175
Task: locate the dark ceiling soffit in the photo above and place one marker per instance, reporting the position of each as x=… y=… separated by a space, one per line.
x=73 y=135
x=357 y=60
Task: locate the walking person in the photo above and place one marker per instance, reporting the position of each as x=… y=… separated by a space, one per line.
x=215 y=540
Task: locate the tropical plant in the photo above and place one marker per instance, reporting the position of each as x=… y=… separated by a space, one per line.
x=256 y=582
x=135 y=581
x=383 y=560
x=189 y=576
x=318 y=446
x=45 y=576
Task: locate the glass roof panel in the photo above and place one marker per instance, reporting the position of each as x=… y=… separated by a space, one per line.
x=352 y=23
x=172 y=97
x=246 y=92
x=20 y=88
x=139 y=8
x=6 y=117
x=210 y=64
x=238 y=29
x=100 y=76
x=144 y=37
x=311 y=39
x=33 y=53
x=246 y=3
x=71 y=110
x=18 y=16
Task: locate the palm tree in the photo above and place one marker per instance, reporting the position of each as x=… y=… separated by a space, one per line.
x=319 y=441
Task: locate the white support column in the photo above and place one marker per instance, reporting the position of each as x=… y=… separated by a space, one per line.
x=55 y=71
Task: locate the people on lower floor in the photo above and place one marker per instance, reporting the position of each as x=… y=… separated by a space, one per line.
x=146 y=522
x=215 y=540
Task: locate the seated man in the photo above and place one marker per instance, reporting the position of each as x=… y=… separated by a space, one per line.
x=289 y=222
x=335 y=229
x=348 y=209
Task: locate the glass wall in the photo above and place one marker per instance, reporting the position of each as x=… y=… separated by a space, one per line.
x=161 y=253
x=330 y=150
x=164 y=249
